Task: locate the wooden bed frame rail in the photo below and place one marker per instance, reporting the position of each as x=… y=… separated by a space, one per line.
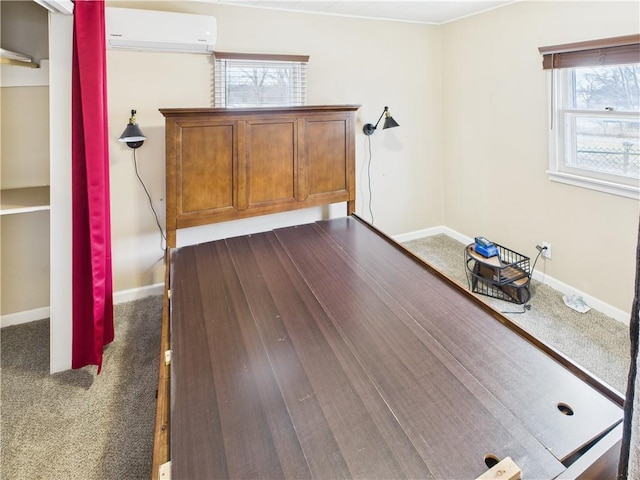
x=161 y=432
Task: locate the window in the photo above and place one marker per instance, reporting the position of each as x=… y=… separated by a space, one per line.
x=595 y=117
x=256 y=80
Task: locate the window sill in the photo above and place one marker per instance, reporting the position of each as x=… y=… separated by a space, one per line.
x=594 y=184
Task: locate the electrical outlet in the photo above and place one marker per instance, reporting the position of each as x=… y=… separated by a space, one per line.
x=546 y=252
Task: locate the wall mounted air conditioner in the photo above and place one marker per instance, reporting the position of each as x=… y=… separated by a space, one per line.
x=151 y=30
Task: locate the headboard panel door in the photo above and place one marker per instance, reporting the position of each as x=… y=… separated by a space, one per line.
x=270 y=163
x=224 y=164
x=325 y=147
x=206 y=149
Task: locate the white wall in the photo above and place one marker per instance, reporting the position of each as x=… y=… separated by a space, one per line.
x=496 y=139
x=372 y=63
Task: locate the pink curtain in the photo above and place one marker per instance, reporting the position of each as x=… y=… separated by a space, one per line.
x=92 y=278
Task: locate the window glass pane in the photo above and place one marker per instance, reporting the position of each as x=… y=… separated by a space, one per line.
x=255 y=83
x=607 y=145
x=614 y=87
x=258 y=86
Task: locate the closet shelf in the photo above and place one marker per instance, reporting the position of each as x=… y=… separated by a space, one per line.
x=18 y=63
x=24 y=200
x=16 y=59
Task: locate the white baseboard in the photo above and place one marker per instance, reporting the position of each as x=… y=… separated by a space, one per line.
x=24 y=317
x=593 y=302
x=121 y=296
x=428 y=232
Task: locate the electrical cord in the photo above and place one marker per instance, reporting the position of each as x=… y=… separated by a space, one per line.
x=162 y=235
x=369 y=177
x=527 y=306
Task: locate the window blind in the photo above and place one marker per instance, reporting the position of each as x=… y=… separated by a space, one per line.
x=608 y=51
x=248 y=79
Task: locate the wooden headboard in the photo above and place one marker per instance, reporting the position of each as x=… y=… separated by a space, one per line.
x=230 y=163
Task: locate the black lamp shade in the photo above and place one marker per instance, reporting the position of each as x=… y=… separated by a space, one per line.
x=132 y=134
x=389 y=122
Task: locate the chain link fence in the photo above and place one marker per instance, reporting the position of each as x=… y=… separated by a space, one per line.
x=620 y=161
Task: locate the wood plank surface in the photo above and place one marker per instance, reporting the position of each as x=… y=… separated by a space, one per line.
x=355 y=422
x=293 y=357
x=444 y=410
x=195 y=419
x=536 y=385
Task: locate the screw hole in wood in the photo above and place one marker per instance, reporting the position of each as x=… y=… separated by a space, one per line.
x=565 y=409
x=490 y=460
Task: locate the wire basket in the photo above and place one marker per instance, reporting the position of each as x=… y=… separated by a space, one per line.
x=505 y=276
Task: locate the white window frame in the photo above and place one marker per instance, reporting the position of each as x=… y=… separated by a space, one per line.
x=296 y=63
x=560 y=60
x=561 y=139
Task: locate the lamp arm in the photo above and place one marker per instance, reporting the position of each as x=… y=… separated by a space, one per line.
x=386 y=109
x=369 y=128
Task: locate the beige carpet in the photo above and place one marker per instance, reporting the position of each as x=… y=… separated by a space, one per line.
x=76 y=425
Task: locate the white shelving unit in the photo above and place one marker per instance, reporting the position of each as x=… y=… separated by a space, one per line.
x=35 y=205
x=24 y=192
x=24 y=189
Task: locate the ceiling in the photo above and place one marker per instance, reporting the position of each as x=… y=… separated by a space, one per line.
x=418 y=11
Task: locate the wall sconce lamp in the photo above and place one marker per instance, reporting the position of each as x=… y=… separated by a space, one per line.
x=132 y=134
x=389 y=122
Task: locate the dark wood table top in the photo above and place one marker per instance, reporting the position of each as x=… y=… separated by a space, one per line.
x=320 y=351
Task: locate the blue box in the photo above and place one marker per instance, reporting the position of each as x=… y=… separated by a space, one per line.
x=486 y=250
